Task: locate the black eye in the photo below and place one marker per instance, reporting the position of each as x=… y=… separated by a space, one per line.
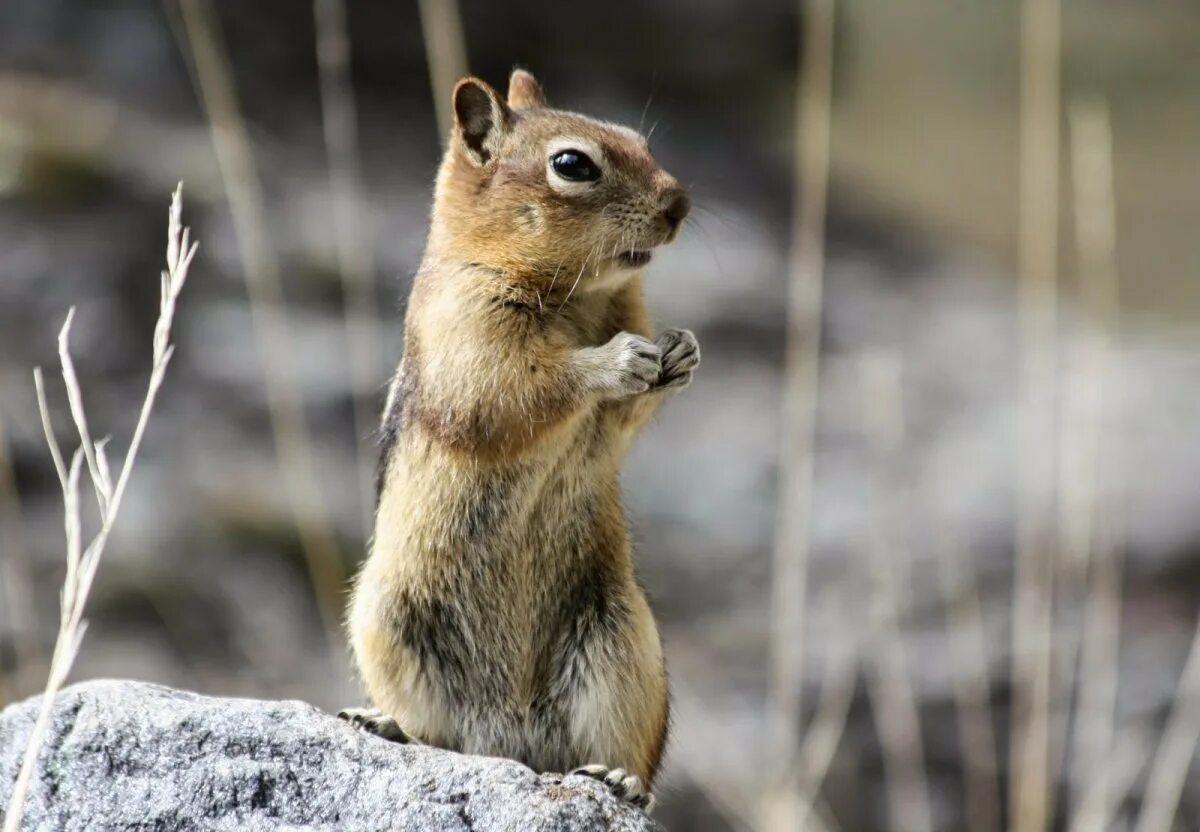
x=574 y=166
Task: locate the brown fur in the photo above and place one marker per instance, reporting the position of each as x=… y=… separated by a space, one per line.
x=498 y=612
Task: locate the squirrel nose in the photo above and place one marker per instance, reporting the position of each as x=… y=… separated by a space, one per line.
x=677 y=208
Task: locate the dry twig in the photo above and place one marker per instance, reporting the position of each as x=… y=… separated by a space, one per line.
x=445 y=54
x=1173 y=759
x=1091 y=510
x=1030 y=795
x=889 y=678
x=800 y=382
x=264 y=285
x=968 y=646
x=83 y=562
x=356 y=262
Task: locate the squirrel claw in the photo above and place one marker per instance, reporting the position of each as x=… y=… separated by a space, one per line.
x=375 y=721
x=626 y=786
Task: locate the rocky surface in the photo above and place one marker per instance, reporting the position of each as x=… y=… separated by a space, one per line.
x=127 y=755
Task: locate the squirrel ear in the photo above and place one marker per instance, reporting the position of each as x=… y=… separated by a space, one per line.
x=524 y=91
x=480 y=119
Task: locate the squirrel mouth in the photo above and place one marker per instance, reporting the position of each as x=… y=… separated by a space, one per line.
x=633 y=259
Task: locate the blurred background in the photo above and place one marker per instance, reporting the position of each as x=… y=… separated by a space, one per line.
x=993 y=544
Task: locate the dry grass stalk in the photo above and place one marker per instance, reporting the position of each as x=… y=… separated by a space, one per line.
x=264 y=285
x=1030 y=794
x=445 y=53
x=356 y=262
x=889 y=681
x=1123 y=763
x=800 y=382
x=972 y=685
x=1084 y=395
x=728 y=800
x=691 y=749
x=1173 y=759
x=825 y=732
x=82 y=562
x=1091 y=513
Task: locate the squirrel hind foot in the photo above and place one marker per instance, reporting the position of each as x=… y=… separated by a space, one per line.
x=628 y=787
x=375 y=721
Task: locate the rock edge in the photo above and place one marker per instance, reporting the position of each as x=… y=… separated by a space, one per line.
x=124 y=755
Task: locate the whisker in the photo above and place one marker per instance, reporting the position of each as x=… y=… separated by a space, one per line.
x=708 y=242
x=572 y=290
x=649 y=98
x=717 y=215
x=582 y=268
x=653 y=127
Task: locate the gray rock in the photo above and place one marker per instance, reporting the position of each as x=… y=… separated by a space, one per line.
x=133 y=756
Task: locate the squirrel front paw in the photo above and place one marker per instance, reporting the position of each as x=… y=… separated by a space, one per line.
x=680 y=357
x=625 y=366
x=639 y=363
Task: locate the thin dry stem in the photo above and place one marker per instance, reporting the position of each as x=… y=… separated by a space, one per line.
x=889 y=680
x=71 y=580
x=356 y=262
x=82 y=563
x=733 y=805
x=972 y=685
x=445 y=54
x=60 y=468
x=1173 y=759
x=264 y=285
x=800 y=382
x=1030 y=795
x=1083 y=396
x=1094 y=519
x=74 y=532
x=1123 y=763
x=75 y=398
x=821 y=740
x=825 y=732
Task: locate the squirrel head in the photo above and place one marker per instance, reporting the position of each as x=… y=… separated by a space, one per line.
x=545 y=196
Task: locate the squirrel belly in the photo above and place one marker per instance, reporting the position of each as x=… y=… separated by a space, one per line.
x=498 y=612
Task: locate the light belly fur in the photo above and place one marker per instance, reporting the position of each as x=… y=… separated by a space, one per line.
x=498 y=613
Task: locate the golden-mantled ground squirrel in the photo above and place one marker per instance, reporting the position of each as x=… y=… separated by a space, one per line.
x=498 y=612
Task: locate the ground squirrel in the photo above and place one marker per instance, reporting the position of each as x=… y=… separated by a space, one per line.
x=498 y=612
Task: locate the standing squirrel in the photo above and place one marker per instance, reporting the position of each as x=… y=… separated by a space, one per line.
x=498 y=612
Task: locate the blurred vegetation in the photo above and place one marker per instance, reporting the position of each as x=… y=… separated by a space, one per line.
x=206 y=584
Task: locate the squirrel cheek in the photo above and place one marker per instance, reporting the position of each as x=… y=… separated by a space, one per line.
x=531 y=219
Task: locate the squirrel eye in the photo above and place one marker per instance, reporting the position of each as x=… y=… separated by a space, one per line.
x=574 y=166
